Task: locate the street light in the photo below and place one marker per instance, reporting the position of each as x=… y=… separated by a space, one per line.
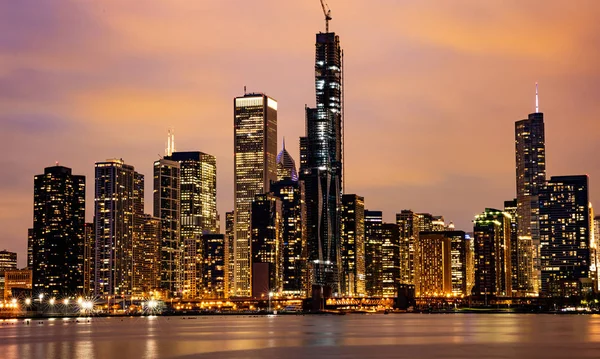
x=66 y=301
x=52 y=300
x=28 y=301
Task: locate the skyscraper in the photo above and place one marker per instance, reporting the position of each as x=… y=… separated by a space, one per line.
x=353 y=245
x=8 y=261
x=116 y=206
x=255 y=152
x=146 y=256
x=373 y=253
x=293 y=207
x=492 y=254
x=408 y=225
x=321 y=163
x=213 y=271
x=566 y=237
x=286 y=166
x=58 y=232
x=167 y=209
x=229 y=254
x=198 y=202
x=89 y=255
x=267 y=245
x=390 y=259
x=530 y=154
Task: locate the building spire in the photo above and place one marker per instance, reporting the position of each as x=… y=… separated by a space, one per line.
x=537 y=102
x=170 y=142
x=284 y=142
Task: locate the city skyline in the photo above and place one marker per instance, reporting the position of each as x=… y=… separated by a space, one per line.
x=421 y=179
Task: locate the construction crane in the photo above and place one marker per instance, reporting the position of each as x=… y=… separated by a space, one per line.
x=327 y=13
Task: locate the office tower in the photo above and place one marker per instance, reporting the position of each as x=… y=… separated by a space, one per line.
x=510 y=208
x=19 y=280
x=425 y=222
x=470 y=261
x=596 y=246
x=213 y=271
x=441 y=264
x=267 y=245
x=198 y=196
x=286 y=166
x=30 y=234
x=492 y=254
x=373 y=253
x=167 y=209
x=146 y=256
x=192 y=267
x=530 y=154
x=255 y=152
x=390 y=258
x=230 y=255
x=8 y=261
x=353 y=245
x=89 y=255
x=58 y=232
x=408 y=225
x=565 y=233
x=117 y=190
x=321 y=153
x=521 y=254
x=293 y=208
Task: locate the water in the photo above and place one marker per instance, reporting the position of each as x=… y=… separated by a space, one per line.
x=289 y=337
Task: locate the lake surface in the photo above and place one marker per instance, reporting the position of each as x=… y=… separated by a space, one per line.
x=351 y=336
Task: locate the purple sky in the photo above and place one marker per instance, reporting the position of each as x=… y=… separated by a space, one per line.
x=433 y=89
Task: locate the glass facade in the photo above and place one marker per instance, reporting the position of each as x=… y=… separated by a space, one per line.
x=373 y=248
x=353 y=245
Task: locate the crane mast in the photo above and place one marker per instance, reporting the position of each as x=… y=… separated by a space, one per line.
x=327 y=13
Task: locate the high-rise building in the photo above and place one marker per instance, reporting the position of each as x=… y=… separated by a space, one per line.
x=353 y=245
x=255 y=152
x=286 y=166
x=492 y=254
x=390 y=258
x=193 y=264
x=89 y=258
x=596 y=247
x=267 y=245
x=146 y=256
x=293 y=207
x=58 y=232
x=8 y=261
x=321 y=164
x=441 y=264
x=521 y=255
x=167 y=209
x=213 y=271
x=198 y=196
x=530 y=154
x=408 y=225
x=373 y=253
x=18 y=279
x=230 y=254
x=118 y=188
x=566 y=237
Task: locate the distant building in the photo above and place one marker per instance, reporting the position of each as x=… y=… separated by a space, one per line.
x=492 y=254
x=408 y=225
x=293 y=207
x=146 y=257
x=390 y=259
x=353 y=245
x=441 y=264
x=117 y=206
x=193 y=264
x=566 y=237
x=230 y=254
x=286 y=166
x=58 y=232
x=255 y=151
x=167 y=209
x=373 y=253
x=267 y=245
x=8 y=261
x=89 y=258
x=17 y=279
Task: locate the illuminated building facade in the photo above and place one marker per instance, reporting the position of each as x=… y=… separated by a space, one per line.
x=390 y=259
x=492 y=245
x=230 y=258
x=58 y=232
x=255 y=152
x=521 y=255
x=213 y=271
x=286 y=166
x=353 y=245
x=566 y=237
x=167 y=209
x=146 y=256
x=373 y=253
x=267 y=245
x=530 y=154
x=192 y=267
x=89 y=255
x=293 y=207
x=118 y=188
x=8 y=261
x=18 y=279
x=408 y=225
x=321 y=165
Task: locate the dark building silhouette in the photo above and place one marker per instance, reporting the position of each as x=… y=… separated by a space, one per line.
x=321 y=164
x=214 y=266
x=58 y=232
x=390 y=259
x=373 y=253
x=492 y=263
x=565 y=229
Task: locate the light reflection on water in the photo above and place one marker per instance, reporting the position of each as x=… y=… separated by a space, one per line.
x=360 y=336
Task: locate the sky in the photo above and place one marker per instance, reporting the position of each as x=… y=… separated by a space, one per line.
x=432 y=91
